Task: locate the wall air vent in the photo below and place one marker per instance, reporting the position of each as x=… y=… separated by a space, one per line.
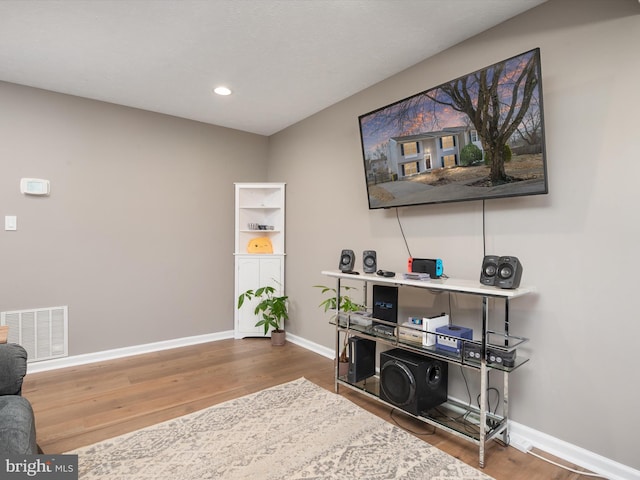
x=43 y=332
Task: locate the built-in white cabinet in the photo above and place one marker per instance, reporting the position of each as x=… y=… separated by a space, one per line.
x=259 y=247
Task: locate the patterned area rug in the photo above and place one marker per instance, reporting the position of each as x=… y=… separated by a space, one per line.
x=292 y=431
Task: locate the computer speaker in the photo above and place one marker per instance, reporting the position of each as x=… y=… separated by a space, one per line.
x=369 y=261
x=347 y=260
x=489 y=270
x=509 y=272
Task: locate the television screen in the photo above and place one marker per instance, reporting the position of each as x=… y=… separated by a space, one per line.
x=477 y=137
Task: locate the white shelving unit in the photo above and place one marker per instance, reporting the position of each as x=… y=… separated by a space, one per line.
x=479 y=425
x=259 y=213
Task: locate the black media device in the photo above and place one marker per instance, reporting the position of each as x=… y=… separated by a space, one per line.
x=433 y=266
x=362 y=359
x=385 y=273
x=385 y=307
x=495 y=355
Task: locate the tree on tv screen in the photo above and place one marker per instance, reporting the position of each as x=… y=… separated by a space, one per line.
x=496 y=100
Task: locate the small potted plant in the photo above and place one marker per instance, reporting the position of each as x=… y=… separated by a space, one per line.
x=347 y=304
x=273 y=310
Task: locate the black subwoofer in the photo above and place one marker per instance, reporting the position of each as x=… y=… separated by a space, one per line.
x=412 y=382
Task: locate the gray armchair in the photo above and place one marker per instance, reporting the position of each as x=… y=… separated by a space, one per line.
x=17 y=423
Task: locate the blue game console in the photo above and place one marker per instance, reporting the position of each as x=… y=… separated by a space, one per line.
x=450 y=338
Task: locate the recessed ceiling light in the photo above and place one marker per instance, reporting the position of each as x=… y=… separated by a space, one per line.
x=222 y=91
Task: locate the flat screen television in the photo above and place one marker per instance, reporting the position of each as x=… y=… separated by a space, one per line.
x=477 y=137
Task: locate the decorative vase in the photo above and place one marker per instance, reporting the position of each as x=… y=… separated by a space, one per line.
x=278 y=338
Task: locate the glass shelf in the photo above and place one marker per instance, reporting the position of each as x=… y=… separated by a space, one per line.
x=453 y=416
x=364 y=326
x=260 y=207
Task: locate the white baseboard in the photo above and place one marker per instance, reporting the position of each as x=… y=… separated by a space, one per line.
x=84 y=359
x=572 y=453
x=518 y=433
x=314 y=347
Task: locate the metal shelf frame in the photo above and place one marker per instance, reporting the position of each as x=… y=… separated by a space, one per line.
x=489 y=425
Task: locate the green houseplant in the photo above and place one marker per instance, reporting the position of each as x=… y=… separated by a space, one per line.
x=272 y=308
x=347 y=304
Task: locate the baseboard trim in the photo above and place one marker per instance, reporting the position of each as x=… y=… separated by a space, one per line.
x=312 y=346
x=573 y=454
x=116 y=353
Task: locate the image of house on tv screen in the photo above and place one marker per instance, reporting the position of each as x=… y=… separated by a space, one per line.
x=479 y=136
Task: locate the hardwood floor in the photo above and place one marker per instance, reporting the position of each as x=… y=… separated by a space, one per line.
x=81 y=405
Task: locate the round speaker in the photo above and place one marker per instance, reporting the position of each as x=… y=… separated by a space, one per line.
x=490 y=269
x=369 y=261
x=434 y=375
x=347 y=260
x=398 y=383
x=505 y=271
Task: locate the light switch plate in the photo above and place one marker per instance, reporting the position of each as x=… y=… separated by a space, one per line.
x=10 y=222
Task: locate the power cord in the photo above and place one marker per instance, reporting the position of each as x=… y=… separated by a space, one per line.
x=391 y=415
x=484 y=236
x=572 y=470
x=492 y=423
x=402 y=232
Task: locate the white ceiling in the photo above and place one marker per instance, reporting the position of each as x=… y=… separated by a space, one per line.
x=284 y=59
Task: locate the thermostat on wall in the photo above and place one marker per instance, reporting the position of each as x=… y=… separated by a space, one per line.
x=34 y=186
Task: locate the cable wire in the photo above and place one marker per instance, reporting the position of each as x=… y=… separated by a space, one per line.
x=407 y=429
x=484 y=235
x=402 y=231
x=579 y=472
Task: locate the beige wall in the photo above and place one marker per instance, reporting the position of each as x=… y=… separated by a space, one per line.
x=137 y=234
x=578 y=244
x=137 y=239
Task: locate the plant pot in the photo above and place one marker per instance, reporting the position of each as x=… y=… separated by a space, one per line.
x=278 y=338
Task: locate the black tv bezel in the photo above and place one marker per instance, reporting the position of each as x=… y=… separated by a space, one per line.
x=544 y=191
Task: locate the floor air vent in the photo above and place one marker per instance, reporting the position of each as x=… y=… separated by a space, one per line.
x=42 y=332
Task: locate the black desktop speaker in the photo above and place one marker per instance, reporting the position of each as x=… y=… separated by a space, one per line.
x=489 y=270
x=347 y=260
x=369 y=261
x=509 y=272
x=362 y=359
x=412 y=382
